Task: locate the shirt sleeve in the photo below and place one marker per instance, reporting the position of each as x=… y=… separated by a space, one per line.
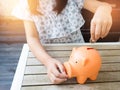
x=21 y=11
x=80 y=3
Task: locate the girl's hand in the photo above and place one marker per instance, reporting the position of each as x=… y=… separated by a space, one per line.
x=101 y=23
x=56 y=71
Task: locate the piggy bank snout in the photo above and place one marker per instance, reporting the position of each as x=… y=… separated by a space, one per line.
x=68 y=69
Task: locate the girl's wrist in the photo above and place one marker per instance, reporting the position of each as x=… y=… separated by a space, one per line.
x=105 y=7
x=47 y=61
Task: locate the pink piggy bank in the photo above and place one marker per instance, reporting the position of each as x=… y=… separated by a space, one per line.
x=84 y=62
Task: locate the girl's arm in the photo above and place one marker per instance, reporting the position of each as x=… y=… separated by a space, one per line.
x=92 y=5
x=34 y=42
x=102 y=19
x=37 y=49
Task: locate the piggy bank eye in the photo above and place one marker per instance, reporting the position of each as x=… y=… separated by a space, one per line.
x=76 y=62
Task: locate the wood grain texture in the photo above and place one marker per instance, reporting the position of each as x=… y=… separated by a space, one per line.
x=92 y=86
x=44 y=80
x=107 y=59
x=111 y=67
x=67 y=53
x=101 y=46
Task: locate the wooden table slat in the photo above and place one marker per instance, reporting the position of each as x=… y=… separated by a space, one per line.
x=41 y=69
x=43 y=79
x=18 y=78
x=103 y=46
x=93 y=86
x=67 y=53
x=107 y=59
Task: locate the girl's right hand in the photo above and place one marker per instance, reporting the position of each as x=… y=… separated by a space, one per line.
x=56 y=71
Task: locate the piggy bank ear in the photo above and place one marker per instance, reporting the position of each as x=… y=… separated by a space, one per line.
x=84 y=61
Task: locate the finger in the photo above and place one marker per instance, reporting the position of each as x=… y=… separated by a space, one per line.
x=56 y=80
x=97 y=31
x=62 y=69
x=109 y=25
x=92 y=30
x=57 y=74
x=104 y=29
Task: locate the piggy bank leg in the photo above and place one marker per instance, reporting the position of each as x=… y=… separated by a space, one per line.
x=93 y=77
x=81 y=79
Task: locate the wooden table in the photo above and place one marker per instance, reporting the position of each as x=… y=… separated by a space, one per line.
x=31 y=74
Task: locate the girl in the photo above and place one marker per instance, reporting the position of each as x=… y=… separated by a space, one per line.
x=59 y=21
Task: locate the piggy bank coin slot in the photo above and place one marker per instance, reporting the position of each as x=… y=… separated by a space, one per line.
x=89 y=48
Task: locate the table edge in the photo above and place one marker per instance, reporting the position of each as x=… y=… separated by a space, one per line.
x=18 y=77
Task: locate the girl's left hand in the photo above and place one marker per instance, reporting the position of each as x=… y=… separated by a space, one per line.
x=101 y=23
